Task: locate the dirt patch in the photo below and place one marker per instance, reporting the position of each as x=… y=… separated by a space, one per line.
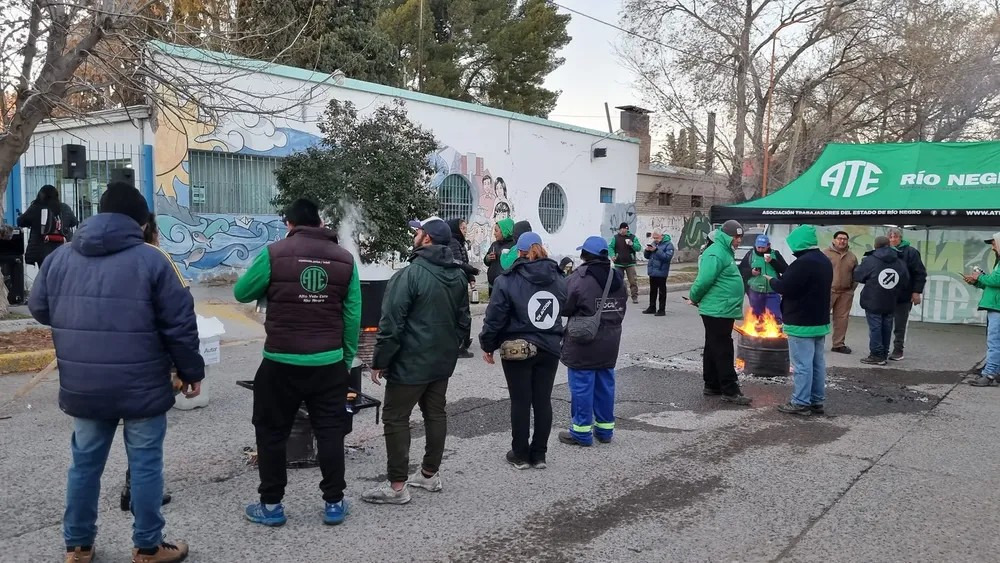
x=25 y=341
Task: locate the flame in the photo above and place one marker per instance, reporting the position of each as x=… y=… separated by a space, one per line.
x=765 y=326
x=740 y=365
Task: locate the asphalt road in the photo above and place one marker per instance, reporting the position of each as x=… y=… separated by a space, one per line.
x=901 y=470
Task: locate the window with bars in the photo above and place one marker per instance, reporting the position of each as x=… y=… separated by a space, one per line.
x=696 y=201
x=455 y=198
x=232 y=183
x=663 y=199
x=83 y=195
x=607 y=195
x=552 y=208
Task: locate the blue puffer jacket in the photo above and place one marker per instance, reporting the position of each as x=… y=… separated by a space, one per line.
x=120 y=315
x=660 y=258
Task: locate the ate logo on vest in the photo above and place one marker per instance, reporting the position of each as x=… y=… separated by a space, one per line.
x=313 y=279
x=543 y=310
x=851 y=178
x=888 y=278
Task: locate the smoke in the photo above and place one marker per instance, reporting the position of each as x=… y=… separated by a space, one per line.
x=348 y=233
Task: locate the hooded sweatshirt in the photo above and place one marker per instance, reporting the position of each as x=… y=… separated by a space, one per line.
x=805 y=286
x=526 y=303
x=425 y=319
x=494 y=267
x=915 y=269
x=885 y=277
x=990 y=284
x=718 y=288
x=121 y=315
x=508 y=259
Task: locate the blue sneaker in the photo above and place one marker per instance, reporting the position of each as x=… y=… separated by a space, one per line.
x=336 y=512
x=259 y=514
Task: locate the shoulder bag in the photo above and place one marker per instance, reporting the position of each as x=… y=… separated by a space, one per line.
x=583 y=328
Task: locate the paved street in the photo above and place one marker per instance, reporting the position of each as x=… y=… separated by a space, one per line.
x=901 y=470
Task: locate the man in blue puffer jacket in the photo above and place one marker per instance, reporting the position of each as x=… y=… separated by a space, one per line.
x=121 y=315
x=660 y=253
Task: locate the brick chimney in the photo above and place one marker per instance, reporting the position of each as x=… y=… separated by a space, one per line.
x=635 y=123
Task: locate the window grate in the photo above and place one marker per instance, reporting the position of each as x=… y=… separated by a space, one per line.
x=663 y=199
x=552 y=208
x=232 y=183
x=607 y=195
x=455 y=198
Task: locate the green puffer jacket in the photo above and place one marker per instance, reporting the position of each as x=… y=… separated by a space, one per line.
x=425 y=319
x=718 y=289
x=990 y=284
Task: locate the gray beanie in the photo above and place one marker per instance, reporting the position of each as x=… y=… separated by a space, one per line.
x=732 y=228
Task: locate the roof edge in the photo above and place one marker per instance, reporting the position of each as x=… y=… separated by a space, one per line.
x=284 y=71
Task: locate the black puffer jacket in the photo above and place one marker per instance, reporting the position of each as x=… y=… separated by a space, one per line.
x=526 y=303
x=457 y=243
x=914 y=268
x=584 y=289
x=38 y=249
x=885 y=277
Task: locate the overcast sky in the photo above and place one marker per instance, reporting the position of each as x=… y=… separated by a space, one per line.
x=592 y=73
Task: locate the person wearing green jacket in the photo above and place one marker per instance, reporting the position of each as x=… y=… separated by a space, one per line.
x=718 y=293
x=313 y=324
x=990 y=284
x=622 y=250
x=425 y=320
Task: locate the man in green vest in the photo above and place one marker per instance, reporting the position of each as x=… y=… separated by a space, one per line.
x=757 y=266
x=622 y=249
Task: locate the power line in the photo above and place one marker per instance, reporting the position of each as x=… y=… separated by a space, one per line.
x=619 y=28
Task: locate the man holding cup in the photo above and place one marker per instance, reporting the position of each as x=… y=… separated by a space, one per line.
x=757 y=266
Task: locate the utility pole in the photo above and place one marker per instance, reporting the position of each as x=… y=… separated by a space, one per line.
x=420 y=50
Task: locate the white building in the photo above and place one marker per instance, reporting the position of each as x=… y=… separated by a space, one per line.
x=212 y=180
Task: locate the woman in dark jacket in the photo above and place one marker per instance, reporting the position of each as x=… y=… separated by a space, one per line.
x=460 y=251
x=522 y=321
x=592 y=364
x=50 y=222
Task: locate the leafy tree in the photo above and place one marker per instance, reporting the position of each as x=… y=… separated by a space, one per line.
x=493 y=52
x=322 y=36
x=377 y=163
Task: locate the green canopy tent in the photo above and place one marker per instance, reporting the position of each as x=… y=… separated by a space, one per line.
x=919 y=184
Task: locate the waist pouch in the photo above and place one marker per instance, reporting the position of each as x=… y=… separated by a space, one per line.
x=517 y=350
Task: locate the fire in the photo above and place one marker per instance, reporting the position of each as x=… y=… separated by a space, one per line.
x=765 y=326
x=740 y=364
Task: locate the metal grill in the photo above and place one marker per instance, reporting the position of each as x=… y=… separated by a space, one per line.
x=455 y=198
x=232 y=183
x=552 y=208
x=41 y=164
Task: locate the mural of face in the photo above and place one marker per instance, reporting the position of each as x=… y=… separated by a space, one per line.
x=500 y=190
x=487 y=184
x=501 y=211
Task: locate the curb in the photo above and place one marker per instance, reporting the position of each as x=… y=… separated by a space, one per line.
x=24 y=362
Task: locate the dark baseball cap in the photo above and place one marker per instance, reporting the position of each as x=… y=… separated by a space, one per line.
x=434 y=227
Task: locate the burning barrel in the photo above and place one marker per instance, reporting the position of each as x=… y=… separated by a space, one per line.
x=762 y=347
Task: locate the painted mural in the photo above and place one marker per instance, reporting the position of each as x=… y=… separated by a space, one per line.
x=490 y=198
x=947 y=254
x=204 y=244
x=614 y=215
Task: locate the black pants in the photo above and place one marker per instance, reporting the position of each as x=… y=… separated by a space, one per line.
x=718 y=368
x=900 y=319
x=657 y=289
x=529 y=383
x=278 y=391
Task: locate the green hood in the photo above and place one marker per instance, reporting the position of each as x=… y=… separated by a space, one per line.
x=666 y=237
x=506 y=227
x=802 y=238
x=903 y=244
x=723 y=239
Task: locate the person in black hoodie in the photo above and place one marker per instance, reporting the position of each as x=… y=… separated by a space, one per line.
x=522 y=321
x=885 y=277
x=592 y=364
x=50 y=222
x=504 y=239
x=461 y=252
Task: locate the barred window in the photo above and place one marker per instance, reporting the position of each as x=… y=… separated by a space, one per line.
x=663 y=198
x=229 y=183
x=455 y=198
x=552 y=208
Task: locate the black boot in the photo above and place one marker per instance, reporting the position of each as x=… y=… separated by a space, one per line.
x=649 y=310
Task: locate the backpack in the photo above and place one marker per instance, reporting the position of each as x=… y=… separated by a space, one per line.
x=52 y=227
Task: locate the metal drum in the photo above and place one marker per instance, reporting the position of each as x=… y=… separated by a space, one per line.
x=763 y=357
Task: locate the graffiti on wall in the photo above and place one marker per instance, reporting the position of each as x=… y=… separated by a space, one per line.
x=947 y=254
x=694 y=232
x=490 y=196
x=204 y=244
x=615 y=214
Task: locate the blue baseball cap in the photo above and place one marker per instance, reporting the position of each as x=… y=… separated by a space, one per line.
x=762 y=241
x=527 y=239
x=594 y=245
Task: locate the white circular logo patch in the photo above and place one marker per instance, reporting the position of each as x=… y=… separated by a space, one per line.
x=888 y=278
x=543 y=310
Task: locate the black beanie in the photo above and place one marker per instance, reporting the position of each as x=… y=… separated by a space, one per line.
x=125 y=199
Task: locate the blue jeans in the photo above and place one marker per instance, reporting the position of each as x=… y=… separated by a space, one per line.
x=879 y=333
x=593 y=397
x=90 y=446
x=808 y=369
x=760 y=302
x=992 y=368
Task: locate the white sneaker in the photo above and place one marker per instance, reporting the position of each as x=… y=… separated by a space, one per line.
x=385 y=494
x=432 y=484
